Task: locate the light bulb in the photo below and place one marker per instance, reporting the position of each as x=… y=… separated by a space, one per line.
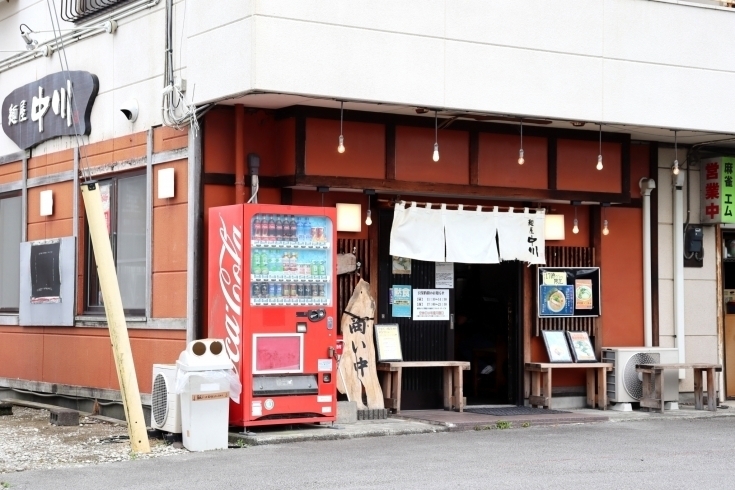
x=575 y=229
x=599 y=162
x=435 y=157
x=341 y=147
x=368 y=220
x=521 y=160
x=605 y=229
x=676 y=167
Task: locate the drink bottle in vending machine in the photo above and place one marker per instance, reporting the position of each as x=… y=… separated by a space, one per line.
x=271 y=275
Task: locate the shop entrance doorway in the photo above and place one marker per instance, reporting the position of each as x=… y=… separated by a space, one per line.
x=484 y=327
x=487 y=331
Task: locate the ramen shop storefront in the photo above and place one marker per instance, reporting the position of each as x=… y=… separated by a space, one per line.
x=490 y=277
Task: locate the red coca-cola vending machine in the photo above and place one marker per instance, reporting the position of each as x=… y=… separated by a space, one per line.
x=272 y=271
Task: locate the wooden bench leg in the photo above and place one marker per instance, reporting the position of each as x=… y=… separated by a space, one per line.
x=646 y=385
x=698 y=402
x=711 y=391
x=547 y=388
x=535 y=385
x=602 y=388
x=457 y=391
x=397 y=379
x=387 y=382
x=659 y=382
x=590 y=387
x=447 y=393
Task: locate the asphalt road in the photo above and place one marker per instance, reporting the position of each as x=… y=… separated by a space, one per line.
x=626 y=455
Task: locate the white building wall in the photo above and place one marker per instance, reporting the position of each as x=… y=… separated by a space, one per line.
x=700 y=284
x=643 y=62
x=618 y=61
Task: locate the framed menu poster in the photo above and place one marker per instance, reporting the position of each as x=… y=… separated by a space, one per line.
x=568 y=292
x=581 y=347
x=556 y=346
x=388 y=342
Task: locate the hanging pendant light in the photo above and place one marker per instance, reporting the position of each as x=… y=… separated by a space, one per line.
x=521 y=160
x=575 y=228
x=341 y=146
x=369 y=219
x=435 y=156
x=675 y=170
x=605 y=228
x=599 y=156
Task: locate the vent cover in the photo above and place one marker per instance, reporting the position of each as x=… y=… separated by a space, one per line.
x=631 y=381
x=159 y=400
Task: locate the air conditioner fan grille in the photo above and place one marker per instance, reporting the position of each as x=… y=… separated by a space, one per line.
x=631 y=380
x=159 y=400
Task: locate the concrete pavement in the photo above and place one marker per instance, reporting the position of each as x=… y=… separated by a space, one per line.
x=653 y=453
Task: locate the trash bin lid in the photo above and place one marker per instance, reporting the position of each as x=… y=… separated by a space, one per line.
x=204 y=355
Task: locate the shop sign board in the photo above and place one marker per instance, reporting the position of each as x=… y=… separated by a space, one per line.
x=59 y=104
x=430 y=304
x=717 y=196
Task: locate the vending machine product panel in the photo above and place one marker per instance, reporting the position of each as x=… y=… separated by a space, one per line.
x=271 y=275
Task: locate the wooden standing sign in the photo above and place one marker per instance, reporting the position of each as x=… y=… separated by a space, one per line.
x=357 y=367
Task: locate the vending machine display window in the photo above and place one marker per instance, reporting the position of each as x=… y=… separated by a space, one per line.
x=278 y=353
x=291 y=260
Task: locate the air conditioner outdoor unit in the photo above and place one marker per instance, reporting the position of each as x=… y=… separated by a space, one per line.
x=624 y=383
x=165 y=404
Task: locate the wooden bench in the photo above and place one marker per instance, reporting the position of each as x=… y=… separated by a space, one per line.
x=541 y=376
x=654 y=400
x=453 y=392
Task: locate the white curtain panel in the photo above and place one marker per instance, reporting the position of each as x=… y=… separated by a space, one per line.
x=521 y=236
x=417 y=233
x=471 y=236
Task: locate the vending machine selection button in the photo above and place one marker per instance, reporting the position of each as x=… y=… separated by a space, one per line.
x=301 y=327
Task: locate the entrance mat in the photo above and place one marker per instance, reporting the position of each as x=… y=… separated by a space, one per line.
x=512 y=411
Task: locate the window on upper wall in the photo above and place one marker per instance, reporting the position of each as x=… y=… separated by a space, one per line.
x=124 y=205
x=11 y=226
x=77 y=10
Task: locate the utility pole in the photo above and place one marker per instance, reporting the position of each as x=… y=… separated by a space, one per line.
x=115 y=318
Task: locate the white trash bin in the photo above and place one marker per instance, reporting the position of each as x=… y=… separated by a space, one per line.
x=206 y=380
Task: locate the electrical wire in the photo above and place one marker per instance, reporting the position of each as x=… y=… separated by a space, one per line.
x=176 y=112
x=63 y=60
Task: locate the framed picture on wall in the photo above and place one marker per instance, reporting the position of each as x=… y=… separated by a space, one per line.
x=556 y=346
x=582 y=349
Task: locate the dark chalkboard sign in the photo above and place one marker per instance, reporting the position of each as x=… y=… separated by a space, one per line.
x=45 y=274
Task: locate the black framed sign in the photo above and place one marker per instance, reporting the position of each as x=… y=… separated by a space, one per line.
x=56 y=105
x=556 y=346
x=388 y=341
x=568 y=292
x=45 y=276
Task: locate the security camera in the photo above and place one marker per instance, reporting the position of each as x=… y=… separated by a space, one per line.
x=130 y=110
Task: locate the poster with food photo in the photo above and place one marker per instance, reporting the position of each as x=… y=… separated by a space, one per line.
x=556 y=301
x=581 y=347
x=583 y=294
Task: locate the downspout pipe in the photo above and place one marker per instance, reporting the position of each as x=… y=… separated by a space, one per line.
x=678 y=228
x=253 y=168
x=239 y=154
x=647 y=185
